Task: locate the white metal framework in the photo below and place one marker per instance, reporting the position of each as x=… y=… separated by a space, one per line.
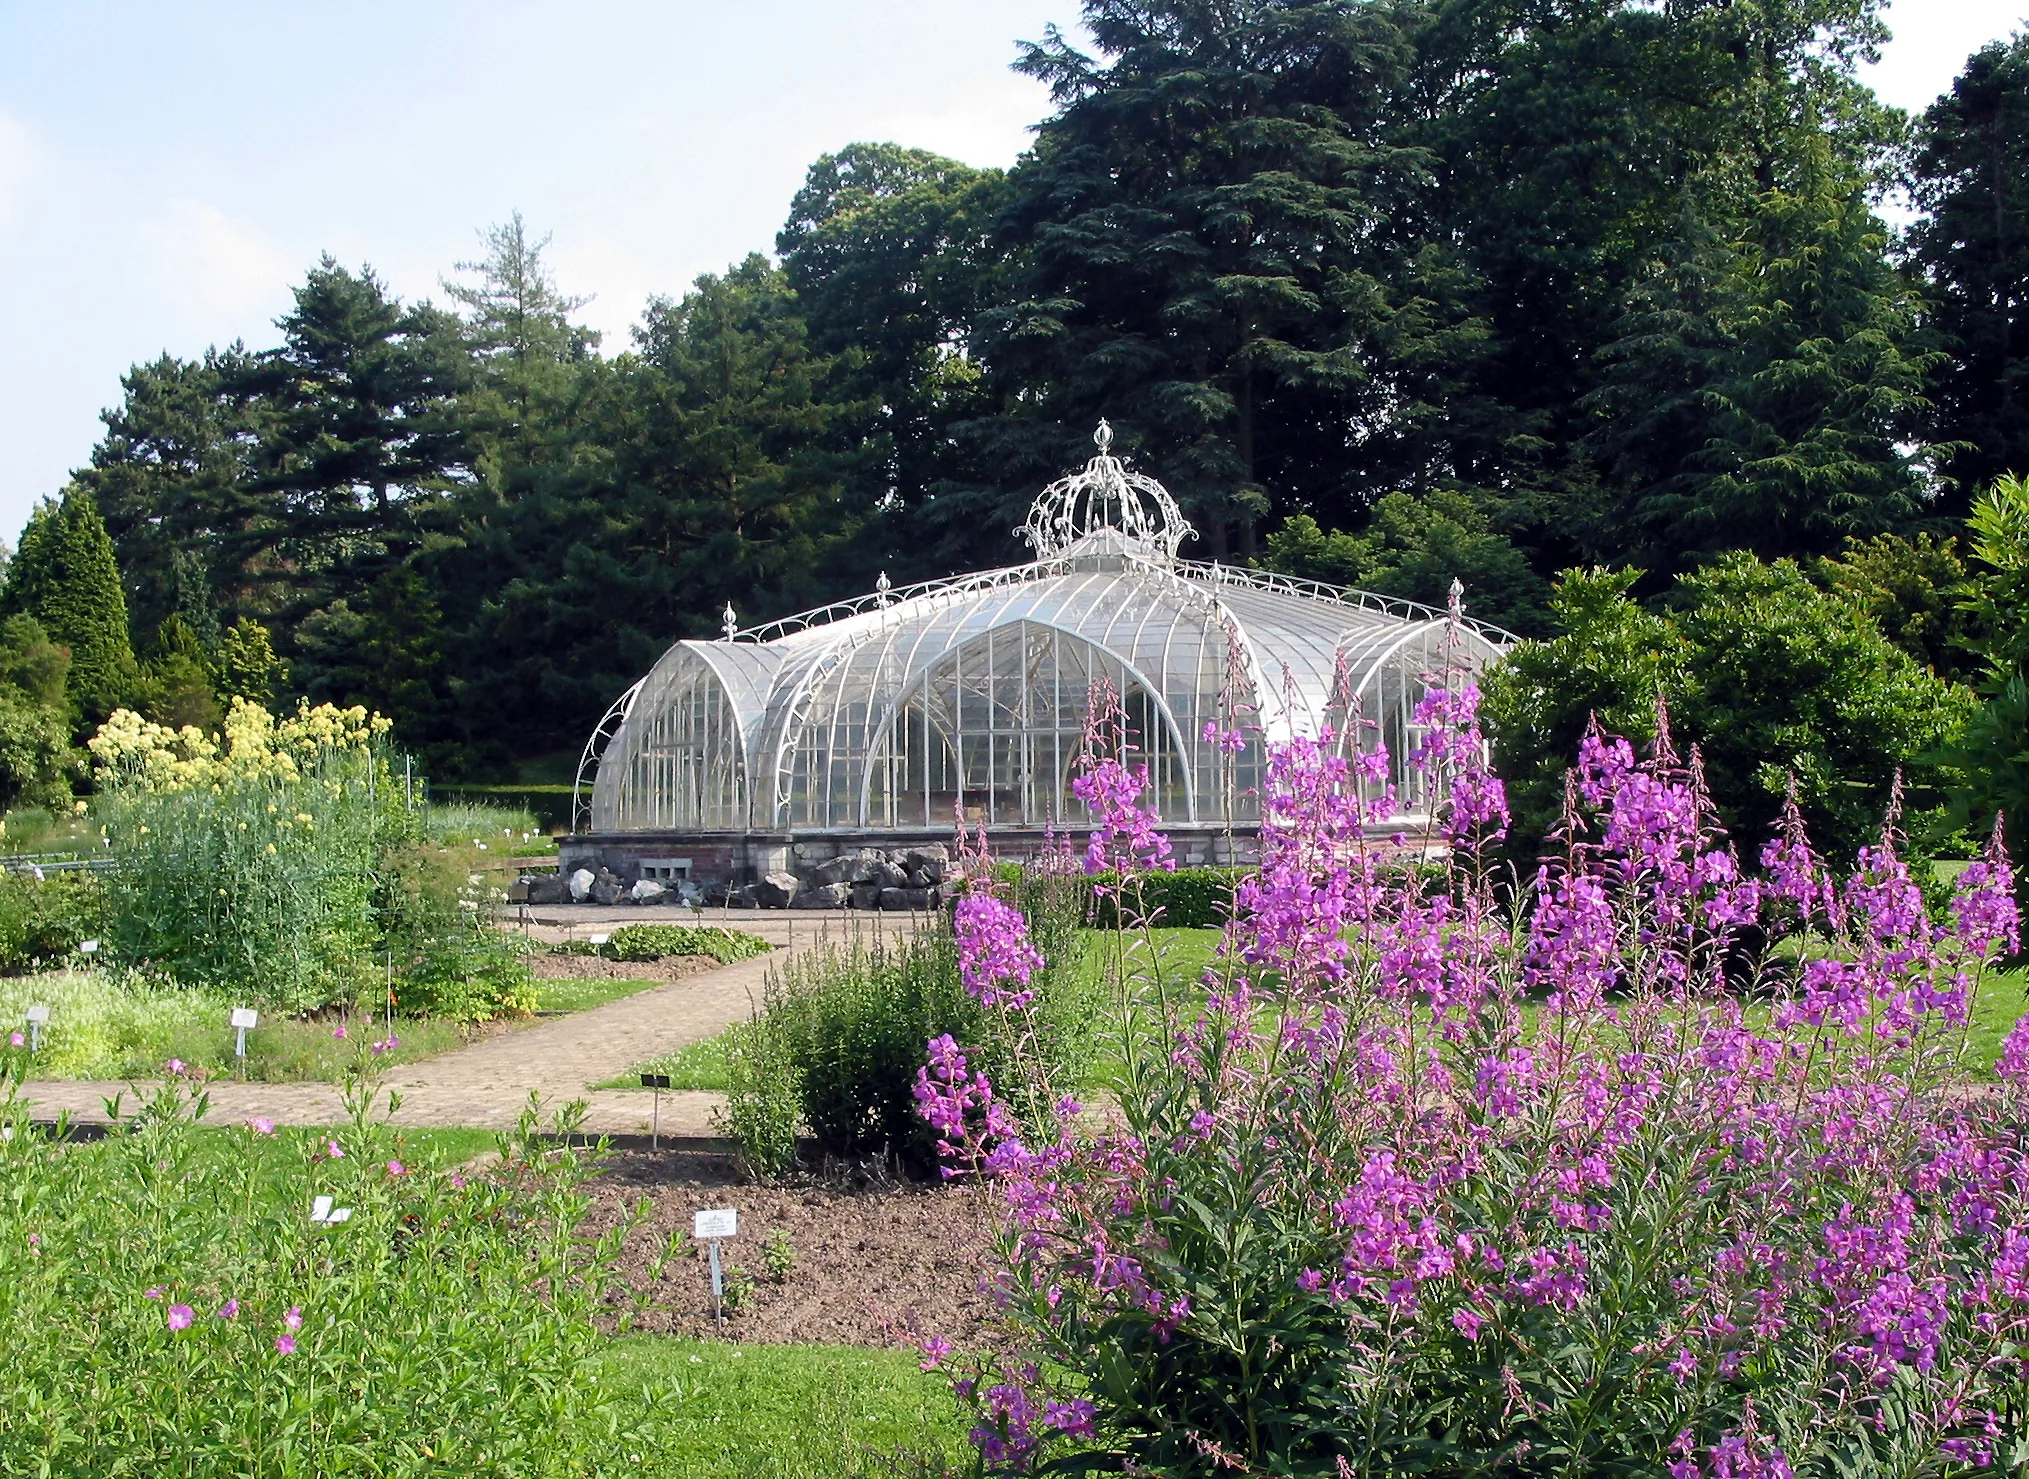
x=908 y=707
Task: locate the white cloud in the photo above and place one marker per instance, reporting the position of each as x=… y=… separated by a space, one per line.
x=209 y=264
x=17 y=163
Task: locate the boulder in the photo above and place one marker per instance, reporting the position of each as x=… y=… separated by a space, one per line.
x=687 y=894
x=580 y=885
x=865 y=864
x=775 y=890
x=824 y=896
x=646 y=891
x=919 y=879
x=831 y=871
x=905 y=898
x=888 y=875
x=546 y=888
x=866 y=896
x=930 y=860
x=607 y=893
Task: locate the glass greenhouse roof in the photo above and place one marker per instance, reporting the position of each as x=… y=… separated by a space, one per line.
x=967 y=697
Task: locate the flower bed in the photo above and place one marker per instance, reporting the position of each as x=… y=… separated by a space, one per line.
x=1596 y=1178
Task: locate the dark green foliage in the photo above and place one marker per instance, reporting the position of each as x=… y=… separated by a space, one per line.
x=1415 y=549
x=1992 y=757
x=37 y=762
x=66 y=577
x=43 y=922
x=178 y=682
x=1190 y=898
x=1772 y=678
x=1968 y=170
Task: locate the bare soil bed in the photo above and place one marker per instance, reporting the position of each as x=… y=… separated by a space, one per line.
x=873 y=1266
x=598 y=968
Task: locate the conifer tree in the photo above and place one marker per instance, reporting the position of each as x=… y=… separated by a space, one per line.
x=68 y=579
x=247 y=665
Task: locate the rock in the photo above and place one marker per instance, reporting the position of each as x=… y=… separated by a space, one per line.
x=775 y=890
x=687 y=894
x=865 y=864
x=831 y=871
x=517 y=891
x=905 y=898
x=919 y=879
x=887 y=875
x=546 y=888
x=824 y=896
x=866 y=896
x=931 y=860
x=646 y=891
x=607 y=893
x=581 y=885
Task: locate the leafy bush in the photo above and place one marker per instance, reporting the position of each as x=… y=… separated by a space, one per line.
x=1589 y=1187
x=108 y=1023
x=842 y=1027
x=1190 y=898
x=654 y=941
x=42 y=921
x=761 y=1098
x=449 y=1325
x=1768 y=675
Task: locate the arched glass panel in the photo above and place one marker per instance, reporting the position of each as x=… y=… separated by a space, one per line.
x=995 y=727
x=683 y=764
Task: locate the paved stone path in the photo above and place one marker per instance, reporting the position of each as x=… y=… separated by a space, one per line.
x=486 y=1085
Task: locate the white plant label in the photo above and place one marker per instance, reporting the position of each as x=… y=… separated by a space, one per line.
x=88 y=947
x=245 y=1017
x=599 y=939
x=723 y=1223
x=38 y=1014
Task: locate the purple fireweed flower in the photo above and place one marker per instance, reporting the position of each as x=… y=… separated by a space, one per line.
x=180 y=1316
x=285 y=1345
x=294 y=1318
x=261 y=1125
x=174 y=1067
x=935 y=1348
x=229 y=1310
x=18 y=1040
x=396 y=1168
x=995 y=959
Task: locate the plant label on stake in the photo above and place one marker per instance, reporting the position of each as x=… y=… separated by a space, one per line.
x=708 y=1228
x=88 y=947
x=242 y=1019
x=657 y=1082
x=38 y=1015
x=322 y=1211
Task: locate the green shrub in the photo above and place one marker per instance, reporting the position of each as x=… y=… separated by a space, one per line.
x=842 y=1029
x=761 y=1099
x=108 y=1023
x=654 y=941
x=1190 y=898
x=43 y=921
x=436 y=924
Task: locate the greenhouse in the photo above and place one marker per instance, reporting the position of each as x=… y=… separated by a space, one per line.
x=894 y=715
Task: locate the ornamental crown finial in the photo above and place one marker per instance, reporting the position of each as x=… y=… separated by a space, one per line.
x=731 y=622
x=1106 y=495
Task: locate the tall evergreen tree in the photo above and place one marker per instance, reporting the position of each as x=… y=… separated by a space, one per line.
x=1969 y=174
x=67 y=577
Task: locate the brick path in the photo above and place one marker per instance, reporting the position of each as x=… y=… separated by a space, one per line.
x=486 y=1085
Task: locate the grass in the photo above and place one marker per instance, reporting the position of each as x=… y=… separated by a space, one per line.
x=105 y=1025
x=789 y=1412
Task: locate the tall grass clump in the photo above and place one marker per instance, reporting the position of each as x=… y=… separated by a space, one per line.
x=840 y=1032
x=1610 y=1178
x=178 y=1307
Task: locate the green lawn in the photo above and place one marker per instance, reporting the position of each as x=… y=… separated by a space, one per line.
x=104 y=1025
x=789 y=1412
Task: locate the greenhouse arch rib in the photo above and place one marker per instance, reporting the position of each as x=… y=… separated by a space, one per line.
x=609 y=728
x=919 y=676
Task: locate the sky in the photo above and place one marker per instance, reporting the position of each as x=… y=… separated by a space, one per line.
x=169 y=170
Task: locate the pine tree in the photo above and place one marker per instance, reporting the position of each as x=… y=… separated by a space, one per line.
x=68 y=579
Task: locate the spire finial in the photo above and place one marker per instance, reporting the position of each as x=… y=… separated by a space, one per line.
x=731 y=623
x=1103 y=437
x=881 y=589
